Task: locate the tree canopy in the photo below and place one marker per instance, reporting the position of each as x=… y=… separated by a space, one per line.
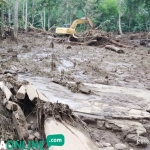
x=134 y=14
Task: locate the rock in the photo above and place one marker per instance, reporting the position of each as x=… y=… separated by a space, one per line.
x=120 y=146
x=21 y=92
x=9 y=50
x=106 y=144
x=55 y=80
x=25 y=46
x=82 y=88
x=32 y=93
x=126 y=126
x=30 y=131
x=37 y=135
x=11 y=106
x=69 y=47
x=140 y=140
x=144 y=42
x=148 y=51
x=100 y=124
x=120 y=52
x=31 y=137
x=10 y=71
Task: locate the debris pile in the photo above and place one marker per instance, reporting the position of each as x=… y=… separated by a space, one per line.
x=76 y=87
x=97 y=38
x=28 y=109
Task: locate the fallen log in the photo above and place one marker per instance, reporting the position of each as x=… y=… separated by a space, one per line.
x=72 y=135
x=19 y=120
x=32 y=93
x=5 y=89
x=114 y=48
x=21 y=92
x=117 y=43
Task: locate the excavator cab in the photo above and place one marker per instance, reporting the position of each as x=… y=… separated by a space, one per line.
x=66 y=25
x=71 y=29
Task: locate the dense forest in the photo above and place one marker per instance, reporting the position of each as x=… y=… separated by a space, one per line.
x=108 y=15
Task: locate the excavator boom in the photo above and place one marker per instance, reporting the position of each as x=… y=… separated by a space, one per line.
x=81 y=21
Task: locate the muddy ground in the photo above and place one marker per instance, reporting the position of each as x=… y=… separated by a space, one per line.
x=33 y=57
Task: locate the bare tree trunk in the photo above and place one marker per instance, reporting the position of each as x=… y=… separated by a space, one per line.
x=16 y=20
x=26 y=21
x=49 y=7
x=119 y=12
x=120 y=29
x=23 y=11
x=44 y=19
x=48 y=22
x=33 y=8
x=2 y=20
x=9 y=14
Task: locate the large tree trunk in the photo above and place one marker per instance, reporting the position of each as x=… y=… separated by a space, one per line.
x=119 y=12
x=44 y=19
x=16 y=20
x=23 y=8
x=33 y=11
x=120 y=29
x=2 y=20
x=48 y=22
x=26 y=21
x=9 y=14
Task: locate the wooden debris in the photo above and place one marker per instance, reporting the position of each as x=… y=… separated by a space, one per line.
x=20 y=124
x=21 y=92
x=11 y=106
x=51 y=44
x=114 y=48
x=5 y=89
x=32 y=93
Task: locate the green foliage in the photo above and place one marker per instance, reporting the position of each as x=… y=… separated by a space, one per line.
x=135 y=14
x=3 y=1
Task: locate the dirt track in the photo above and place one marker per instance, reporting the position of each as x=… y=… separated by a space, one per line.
x=86 y=64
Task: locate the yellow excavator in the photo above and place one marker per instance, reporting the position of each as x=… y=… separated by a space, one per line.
x=71 y=30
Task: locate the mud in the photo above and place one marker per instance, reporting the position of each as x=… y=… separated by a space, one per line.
x=40 y=64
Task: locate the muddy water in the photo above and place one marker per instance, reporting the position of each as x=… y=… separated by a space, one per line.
x=91 y=65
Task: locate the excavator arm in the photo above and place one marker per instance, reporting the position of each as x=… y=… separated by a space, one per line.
x=81 y=21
